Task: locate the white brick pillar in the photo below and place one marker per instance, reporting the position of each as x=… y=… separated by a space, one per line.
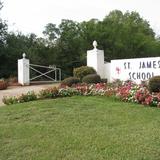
x=23 y=71
x=95 y=59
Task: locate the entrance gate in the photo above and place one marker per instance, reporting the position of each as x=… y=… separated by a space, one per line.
x=41 y=73
x=56 y=76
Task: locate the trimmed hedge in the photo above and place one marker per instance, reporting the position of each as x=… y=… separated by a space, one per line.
x=83 y=71
x=154 y=84
x=91 y=78
x=104 y=80
x=70 y=81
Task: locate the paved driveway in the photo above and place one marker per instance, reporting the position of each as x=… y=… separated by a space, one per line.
x=17 y=90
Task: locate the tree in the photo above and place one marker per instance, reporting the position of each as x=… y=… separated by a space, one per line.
x=128 y=35
x=3 y=29
x=90 y=31
x=51 y=32
x=3 y=35
x=68 y=46
x=120 y=35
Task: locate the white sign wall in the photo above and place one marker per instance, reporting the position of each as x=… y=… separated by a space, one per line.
x=138 y=69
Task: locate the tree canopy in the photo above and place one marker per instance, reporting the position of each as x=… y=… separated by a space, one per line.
x=120 y=35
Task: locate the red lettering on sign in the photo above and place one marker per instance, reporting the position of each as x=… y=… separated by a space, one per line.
x=118 y=70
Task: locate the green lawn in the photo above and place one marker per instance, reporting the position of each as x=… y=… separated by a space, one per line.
x=79 y=128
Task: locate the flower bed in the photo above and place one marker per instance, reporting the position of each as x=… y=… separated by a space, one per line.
x=127 y=92
x=131 y=92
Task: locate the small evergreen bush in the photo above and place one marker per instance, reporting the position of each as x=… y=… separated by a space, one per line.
x=154 y=84
x=92 y=78
x=104 y=80
x=83 y=71
x=70 y=81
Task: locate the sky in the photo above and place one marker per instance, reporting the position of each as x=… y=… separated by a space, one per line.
x=31 y=16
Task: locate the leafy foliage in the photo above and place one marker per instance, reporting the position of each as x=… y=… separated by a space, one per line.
x=82 y=71
x=91 y=78
x=104 y=80
x=29 y=96
x=126 y=91
x=154 y=84
x=48 y=93
x=70 y=81
x=65 y=45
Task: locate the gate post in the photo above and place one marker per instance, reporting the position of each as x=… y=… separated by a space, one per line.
x=23 y=70
x=95 y=59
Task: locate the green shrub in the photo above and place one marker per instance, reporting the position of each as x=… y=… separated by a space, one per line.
x=154 y=84
x=68 y=92
x=83 y=71
x=29 y=96
x=70 y=81
x=91 y=78
x=48 y=93
x=9 y=100
x=104 y=80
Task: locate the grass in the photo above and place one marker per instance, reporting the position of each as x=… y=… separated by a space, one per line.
x=79 y=128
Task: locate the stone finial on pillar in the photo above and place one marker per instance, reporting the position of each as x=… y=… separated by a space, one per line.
x=95 y=59
x=24 y=55
x=95 y=44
